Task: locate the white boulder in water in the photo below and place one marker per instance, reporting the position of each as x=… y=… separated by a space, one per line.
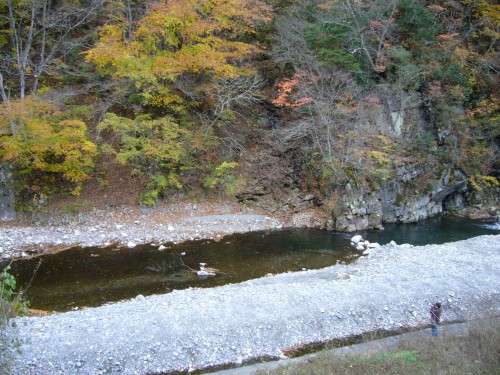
x=357 y=238
x=204 y=273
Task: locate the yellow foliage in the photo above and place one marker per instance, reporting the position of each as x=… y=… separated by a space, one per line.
x=478 y=182
x=461 y=55
x=36 y=138
x=381 y=158
x=177 y=37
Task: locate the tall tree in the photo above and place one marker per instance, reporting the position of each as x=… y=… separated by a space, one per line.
x=180 y=45
x=33 y=35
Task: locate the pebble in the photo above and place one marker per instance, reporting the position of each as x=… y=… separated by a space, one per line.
x=213 y=226
x=182 y=300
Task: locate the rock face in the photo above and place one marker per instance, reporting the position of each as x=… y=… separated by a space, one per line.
x=7 y=211
x=407 y=198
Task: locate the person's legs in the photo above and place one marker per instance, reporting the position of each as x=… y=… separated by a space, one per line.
x=435 y=330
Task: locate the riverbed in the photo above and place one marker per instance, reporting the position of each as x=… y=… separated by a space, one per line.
x=130 y=226
x=93 y=276
x=389 y=289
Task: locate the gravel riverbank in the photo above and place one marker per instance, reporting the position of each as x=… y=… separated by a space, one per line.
x=168 y=223
x=390 y=288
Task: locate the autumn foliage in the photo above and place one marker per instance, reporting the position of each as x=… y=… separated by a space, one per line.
x=205 y=39
x=287 y=89
x=45 y=145
x=179 y=89
x=181 y=56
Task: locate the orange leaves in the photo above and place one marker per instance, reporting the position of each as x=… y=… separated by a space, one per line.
x=436 y=8
x=287 y=87
x=446 y=37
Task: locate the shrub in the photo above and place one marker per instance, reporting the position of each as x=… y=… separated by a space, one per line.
x=45 y=145
x=223 y=179
x=157 y=148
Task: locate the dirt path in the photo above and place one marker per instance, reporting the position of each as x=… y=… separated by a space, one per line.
x=369 y=347
x=202 y=328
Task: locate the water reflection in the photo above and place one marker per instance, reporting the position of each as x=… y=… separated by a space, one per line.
x=94 y=276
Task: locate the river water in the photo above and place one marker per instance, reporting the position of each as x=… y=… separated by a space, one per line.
x=89 y=277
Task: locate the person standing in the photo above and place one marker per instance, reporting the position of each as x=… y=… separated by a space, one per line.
x=435 y=318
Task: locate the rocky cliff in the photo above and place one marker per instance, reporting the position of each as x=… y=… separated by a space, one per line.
x=409 y=197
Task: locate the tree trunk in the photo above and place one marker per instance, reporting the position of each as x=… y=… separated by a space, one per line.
x=5 y=98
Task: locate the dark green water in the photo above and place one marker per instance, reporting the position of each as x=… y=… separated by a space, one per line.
x=95 y=276
x=435 y=230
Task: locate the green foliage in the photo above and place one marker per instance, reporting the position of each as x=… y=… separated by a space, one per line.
x=415 y=22
x=11 y=304
x=400 y=55
x=405 y=355
x=451 y=74
x=425 y=144
x=332 y=43
x=7 y=285
x=157 y=148
x=223 y=179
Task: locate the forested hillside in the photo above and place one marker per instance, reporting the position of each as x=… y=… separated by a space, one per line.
x=340 y=104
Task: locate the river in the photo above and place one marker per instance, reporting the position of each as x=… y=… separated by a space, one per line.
x=93 y=276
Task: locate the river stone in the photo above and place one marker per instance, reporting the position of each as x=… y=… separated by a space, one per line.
x=343 y=276
x=357 y=238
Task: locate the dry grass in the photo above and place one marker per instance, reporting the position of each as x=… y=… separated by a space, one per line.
x=477 y=352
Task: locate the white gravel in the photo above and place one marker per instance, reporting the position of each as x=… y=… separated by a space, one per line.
x=390 y=288
x=102 y=229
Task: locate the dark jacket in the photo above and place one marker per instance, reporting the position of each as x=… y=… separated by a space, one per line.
x=435 y=313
